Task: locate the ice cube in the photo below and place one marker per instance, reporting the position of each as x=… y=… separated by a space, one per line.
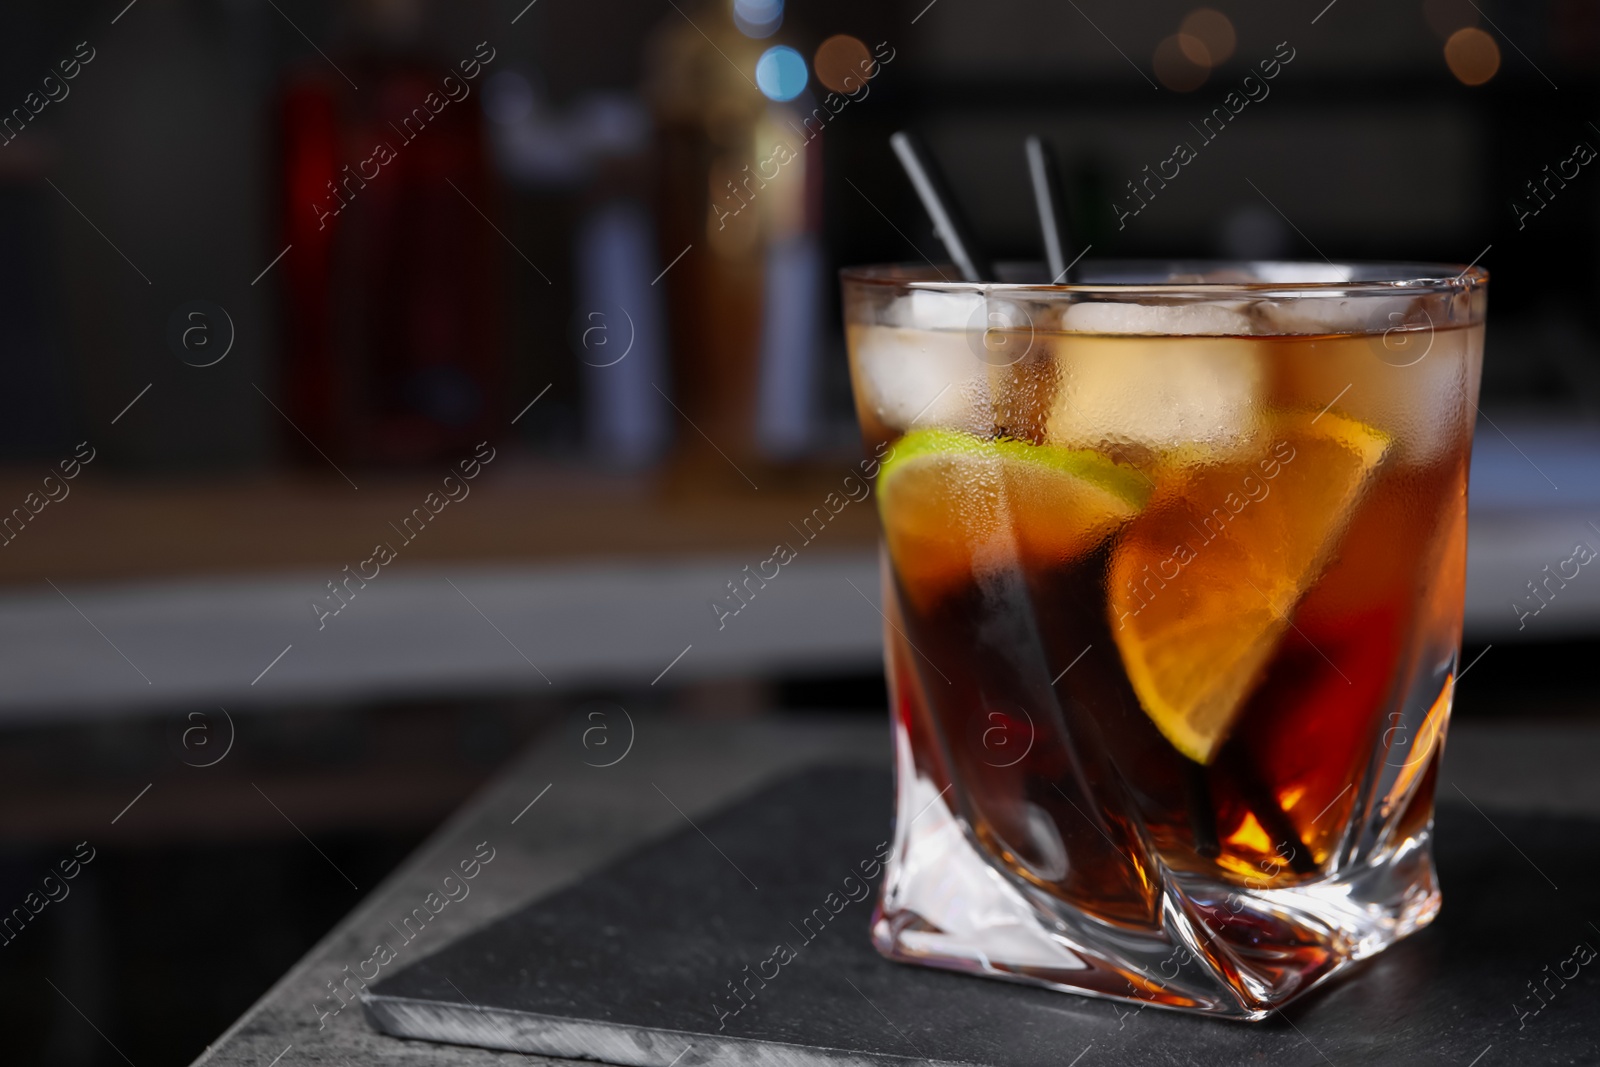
x=1336 y=315
x=1156 y=319
x=1410 y=384
x=929 y=309
x=927 y=377
x=1281 y=273
x=1402 y=372
x=1157 y=393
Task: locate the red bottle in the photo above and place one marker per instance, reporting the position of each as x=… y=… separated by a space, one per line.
x=391 y=341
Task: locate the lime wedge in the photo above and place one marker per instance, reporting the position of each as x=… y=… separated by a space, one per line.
x=954 y=505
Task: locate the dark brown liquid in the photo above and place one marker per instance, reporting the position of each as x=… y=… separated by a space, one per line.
x=1012 y=686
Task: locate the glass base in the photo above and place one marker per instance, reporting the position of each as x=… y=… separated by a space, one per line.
x=1219 y=949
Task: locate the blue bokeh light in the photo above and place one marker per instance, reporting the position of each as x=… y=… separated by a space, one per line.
x=758 y=18
x=781 y=73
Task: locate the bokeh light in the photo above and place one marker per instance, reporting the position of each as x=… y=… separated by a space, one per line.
x=1195 y=50
x=1472 y=55
x=843 y=64
x=1175 y=69
x=781 y=73
x=507 y=97
x=1206 y=37
x=758 y=18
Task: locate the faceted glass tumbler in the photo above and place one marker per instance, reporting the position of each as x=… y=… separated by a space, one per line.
x=1173 y=561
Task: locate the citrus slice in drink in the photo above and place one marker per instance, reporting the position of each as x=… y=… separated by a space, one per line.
x=1203 y=583
x=955 y=505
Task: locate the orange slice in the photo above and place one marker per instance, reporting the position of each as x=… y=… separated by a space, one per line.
x=1204 y=581
x=955 y=505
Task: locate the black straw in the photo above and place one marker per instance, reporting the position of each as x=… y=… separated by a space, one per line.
x=941 y=207
x=1263 y=804
x=1202 y=811
x=1045 y=176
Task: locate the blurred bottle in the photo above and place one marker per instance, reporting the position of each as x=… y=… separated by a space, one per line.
x=617 y=312
x=732 y=202
x=587 y=164
x=787 y=408
x=392 y=341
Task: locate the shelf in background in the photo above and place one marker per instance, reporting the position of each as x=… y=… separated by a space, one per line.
x=107 y=530
x=531 y=585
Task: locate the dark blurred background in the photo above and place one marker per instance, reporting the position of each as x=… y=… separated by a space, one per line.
x=541 y=296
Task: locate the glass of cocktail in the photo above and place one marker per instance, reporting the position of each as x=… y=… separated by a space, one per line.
x=1173 y=567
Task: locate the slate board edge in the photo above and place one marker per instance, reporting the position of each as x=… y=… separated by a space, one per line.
x=587 y=1039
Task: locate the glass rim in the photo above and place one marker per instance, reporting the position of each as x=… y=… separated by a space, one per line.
x=1291 y=277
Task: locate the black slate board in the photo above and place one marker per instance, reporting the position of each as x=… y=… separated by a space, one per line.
x=623 y=966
